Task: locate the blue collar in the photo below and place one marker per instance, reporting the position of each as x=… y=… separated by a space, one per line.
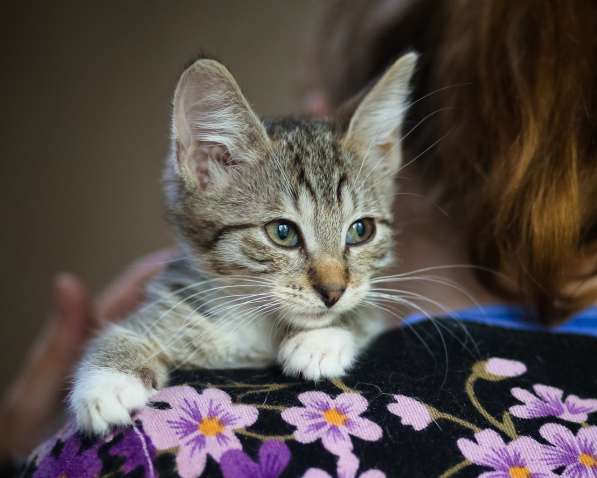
x=515 y=317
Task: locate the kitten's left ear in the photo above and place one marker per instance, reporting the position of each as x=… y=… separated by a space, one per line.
x=215 y=129
x=375 y=126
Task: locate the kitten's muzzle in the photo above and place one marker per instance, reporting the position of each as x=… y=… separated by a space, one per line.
x=328 y=278
x=329 y=293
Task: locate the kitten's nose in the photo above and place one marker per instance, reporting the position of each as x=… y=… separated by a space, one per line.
x=330 y=293
x=329 y=278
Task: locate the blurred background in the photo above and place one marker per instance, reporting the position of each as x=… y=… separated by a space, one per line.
x=85 y=127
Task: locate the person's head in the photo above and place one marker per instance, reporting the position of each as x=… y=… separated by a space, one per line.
x=507 y=94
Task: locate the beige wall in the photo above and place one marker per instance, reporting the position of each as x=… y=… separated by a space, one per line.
x=86 y=89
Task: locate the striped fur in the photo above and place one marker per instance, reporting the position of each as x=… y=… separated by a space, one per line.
x=234 y=297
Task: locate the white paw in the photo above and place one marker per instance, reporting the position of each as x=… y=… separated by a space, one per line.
x=105 y=398
x=320 y=353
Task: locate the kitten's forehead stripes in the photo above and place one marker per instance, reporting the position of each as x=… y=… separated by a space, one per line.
x=303 y=181
x=339 y=187
x=325 y=195
x=306 y=176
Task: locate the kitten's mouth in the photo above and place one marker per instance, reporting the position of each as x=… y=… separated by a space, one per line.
x=321 y=313
x=313 y=319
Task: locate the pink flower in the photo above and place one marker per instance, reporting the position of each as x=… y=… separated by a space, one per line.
x=199 y=424
x=411 y=411
x=504 y=368
x=548 y=403
x=332 y=420
x=578 y=454
x=348 y=466
x=521 y=458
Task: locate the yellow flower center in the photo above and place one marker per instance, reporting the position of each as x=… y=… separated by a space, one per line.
x=587 y=460
x=334 y=417
x=519 y=472
x=211 y=426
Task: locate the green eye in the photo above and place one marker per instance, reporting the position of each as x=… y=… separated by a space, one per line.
x=360 y=231
x=283 y=233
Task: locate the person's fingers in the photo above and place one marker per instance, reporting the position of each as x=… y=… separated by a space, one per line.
x=31 y=402
x=34 y=397
x=72 y=310
x=67 y=330
x=121 y=297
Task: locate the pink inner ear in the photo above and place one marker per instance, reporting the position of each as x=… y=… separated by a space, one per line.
x=202 y=154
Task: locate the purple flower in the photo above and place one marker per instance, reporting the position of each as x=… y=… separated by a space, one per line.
x=137 y=450
x=521 y=458
x=73 y=460
x=348 y=465
x=198 y=424
x=332 y=420
x=504 y=368
x=273 y=459
x=578 y=454
x=46 y=447
x=548 y=403
x=411 y=411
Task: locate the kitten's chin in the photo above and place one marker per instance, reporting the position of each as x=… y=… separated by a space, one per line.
x=311 y=321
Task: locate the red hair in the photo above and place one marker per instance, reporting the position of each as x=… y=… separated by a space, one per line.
x=516 y=97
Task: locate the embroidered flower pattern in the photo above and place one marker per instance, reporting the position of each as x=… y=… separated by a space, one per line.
x=412 y=412
x=46 y=447
x=521 y=458
x=331 y=420
x=137 y=450
x=578 y=454
x=196 y=425
x=504 y=368
x=319 y=473
x=547 y=402
x=348 y=466
x=200 y=424
x=75 y=458
x=273 y=459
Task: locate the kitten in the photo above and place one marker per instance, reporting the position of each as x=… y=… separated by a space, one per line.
x=282 y=224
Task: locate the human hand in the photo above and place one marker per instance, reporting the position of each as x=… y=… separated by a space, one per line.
x=33 y=400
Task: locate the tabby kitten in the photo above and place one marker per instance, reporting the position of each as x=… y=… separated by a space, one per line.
x=281 y=225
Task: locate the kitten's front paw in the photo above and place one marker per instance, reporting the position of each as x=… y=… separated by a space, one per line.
x=105 y=398
x=320 y=353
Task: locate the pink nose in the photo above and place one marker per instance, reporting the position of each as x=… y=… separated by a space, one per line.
x=329 y=293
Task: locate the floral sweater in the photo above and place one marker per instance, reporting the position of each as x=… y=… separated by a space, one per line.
x=485 y=393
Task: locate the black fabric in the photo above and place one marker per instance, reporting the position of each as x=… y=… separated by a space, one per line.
x=429 y=362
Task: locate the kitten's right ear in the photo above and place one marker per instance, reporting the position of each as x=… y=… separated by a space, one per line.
x=375 y=125
x=215 y=129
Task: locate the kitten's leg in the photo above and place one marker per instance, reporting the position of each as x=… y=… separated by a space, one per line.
x=119 y=373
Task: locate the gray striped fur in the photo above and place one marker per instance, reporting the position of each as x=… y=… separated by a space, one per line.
x=234 y=298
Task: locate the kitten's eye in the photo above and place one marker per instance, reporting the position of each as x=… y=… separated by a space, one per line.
x=360 y=231
x=283 y=233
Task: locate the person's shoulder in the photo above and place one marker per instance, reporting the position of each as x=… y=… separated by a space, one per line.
x=440 y=387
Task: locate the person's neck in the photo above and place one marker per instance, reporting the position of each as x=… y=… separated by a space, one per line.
x=431 y=256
